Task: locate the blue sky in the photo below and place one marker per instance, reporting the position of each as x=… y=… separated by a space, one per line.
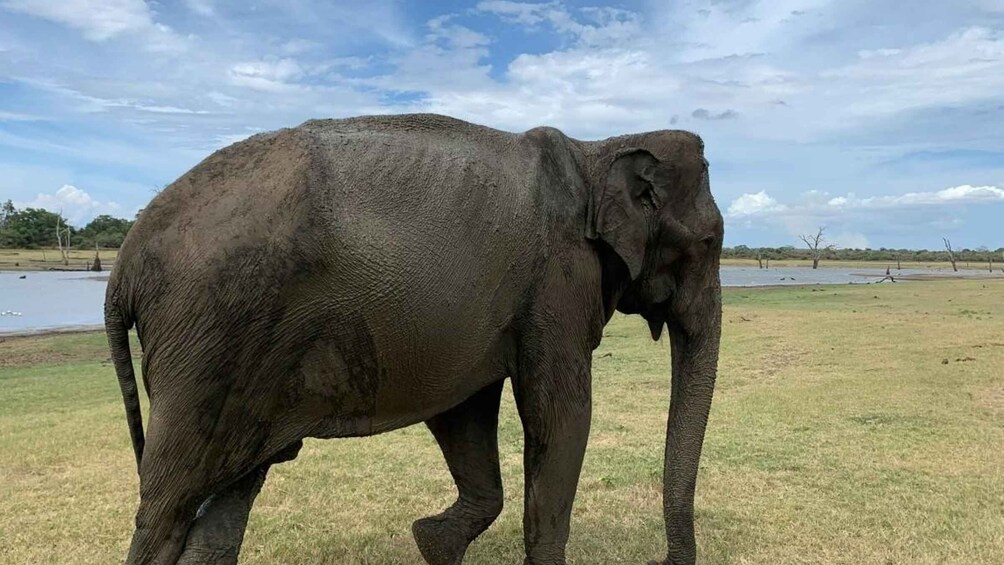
x=881 y=120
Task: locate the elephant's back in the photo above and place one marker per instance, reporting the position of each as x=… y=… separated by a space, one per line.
x=369 y=199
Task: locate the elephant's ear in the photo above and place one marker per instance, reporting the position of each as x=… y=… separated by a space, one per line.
x=628 y=195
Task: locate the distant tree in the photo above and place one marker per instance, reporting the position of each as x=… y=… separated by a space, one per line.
x=28 y=228
x=816 y=245
x=105 y=231
x=951 y=253
x=7 y=213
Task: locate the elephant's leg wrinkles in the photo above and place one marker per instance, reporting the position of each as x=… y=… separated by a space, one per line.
x=468 y=436
x=217 y=533
x=554 y=405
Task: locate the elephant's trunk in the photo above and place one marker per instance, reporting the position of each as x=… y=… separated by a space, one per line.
x=694 y=342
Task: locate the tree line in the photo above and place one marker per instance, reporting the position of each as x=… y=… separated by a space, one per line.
x=981 y=255
x=32 y=228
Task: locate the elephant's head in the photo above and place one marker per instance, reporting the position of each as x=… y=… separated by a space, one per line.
x=652 y=206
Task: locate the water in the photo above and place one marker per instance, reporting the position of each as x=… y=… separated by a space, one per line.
x=61 y=300
x=47 y=300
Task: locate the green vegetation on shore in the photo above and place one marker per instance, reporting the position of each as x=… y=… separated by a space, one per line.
x=852 y=424
x=36 y=228
x=975 y=257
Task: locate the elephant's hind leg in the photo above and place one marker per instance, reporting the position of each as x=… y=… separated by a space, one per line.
x=216 y=534
x=468 y=436
x=218 y=530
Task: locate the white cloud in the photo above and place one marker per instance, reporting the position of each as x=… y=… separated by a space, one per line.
x=102 y=20
x=754 y=204
x=76 y=205
x=98 y=20
x=598 y=26
x=269 y=76
x=18 y=117
x=966 y=66
x=814 y=202
x=201 y=7
x=964 y=194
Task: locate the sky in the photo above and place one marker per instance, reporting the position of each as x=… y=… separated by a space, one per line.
x=880 y=120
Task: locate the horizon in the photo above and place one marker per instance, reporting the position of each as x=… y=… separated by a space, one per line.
x=870 y=120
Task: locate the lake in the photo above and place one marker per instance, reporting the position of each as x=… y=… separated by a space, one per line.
x=66 y=300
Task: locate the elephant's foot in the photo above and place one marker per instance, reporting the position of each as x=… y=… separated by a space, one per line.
x=440 y=540
x=209 y=556
x=443 y=538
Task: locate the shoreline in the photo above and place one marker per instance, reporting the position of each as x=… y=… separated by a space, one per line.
x=41 y=332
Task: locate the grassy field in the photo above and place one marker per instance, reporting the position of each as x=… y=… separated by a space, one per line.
x=855 y=425
x=45 y=259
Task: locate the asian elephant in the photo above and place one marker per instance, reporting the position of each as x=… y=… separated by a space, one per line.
x=350 y=277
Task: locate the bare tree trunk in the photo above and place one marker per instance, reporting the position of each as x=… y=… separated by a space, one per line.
x=759 y=260
x=63 y=250
x=768 y=263
x=898 y=268
x=96 y=267
x=813 y=242
x=951 y=253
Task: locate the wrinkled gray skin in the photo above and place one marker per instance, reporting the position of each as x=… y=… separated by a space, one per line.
x=351 y=277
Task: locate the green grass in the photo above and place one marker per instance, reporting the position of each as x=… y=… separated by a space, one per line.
x=852 y=424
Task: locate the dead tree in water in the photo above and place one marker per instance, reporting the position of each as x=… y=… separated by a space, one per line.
x=759 y=260
x=64 y=247
x=815 y=245
x=96 y=267
x=951 y=253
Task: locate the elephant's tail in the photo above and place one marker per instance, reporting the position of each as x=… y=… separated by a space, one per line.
x=117 y=324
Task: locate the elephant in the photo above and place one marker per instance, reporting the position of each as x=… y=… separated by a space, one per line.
x=348 y=277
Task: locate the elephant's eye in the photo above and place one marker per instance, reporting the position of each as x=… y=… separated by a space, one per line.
x=708 y=241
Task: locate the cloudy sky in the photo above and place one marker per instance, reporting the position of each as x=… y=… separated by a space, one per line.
x=882 y=120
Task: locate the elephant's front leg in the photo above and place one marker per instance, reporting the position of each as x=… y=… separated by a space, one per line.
x=468 y=436
x=553 y=398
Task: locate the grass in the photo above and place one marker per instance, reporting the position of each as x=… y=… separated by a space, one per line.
x=852 y=424
x=46 y=259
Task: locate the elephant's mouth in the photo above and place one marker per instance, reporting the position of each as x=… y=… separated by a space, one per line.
x=656 y=316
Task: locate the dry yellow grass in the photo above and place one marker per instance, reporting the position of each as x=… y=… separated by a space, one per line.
x=839 y=434
x=45 y=259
